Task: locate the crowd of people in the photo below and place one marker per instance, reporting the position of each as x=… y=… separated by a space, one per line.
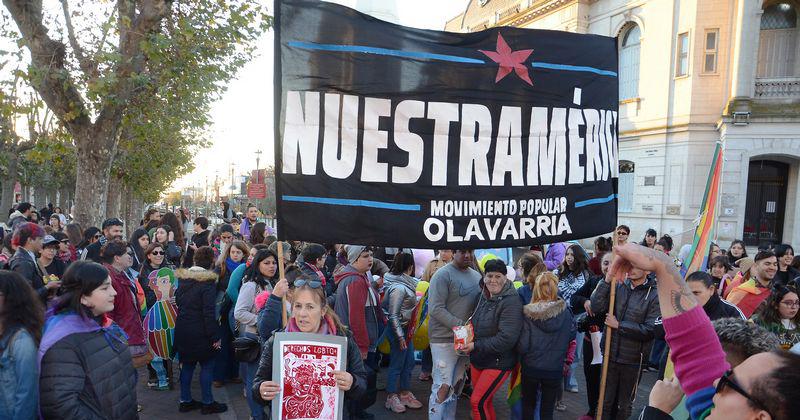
x=73 y=304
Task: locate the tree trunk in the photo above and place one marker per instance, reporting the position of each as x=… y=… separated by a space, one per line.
x=39 y=197
x=91 y=187
x=7 y=195
x=132 y=211
x=114 y=198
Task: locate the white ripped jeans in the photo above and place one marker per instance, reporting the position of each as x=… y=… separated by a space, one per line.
x=448 y=369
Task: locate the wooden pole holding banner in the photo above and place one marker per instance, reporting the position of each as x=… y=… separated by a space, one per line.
x=612 y=294
x=281 y=275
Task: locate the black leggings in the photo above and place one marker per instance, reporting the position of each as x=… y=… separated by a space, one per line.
x=593 y=374
x=549 y=388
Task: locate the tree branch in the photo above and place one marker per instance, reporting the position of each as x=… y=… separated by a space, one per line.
x=48 y=58
x=87 y=64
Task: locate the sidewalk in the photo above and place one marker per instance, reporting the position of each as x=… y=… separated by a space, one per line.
x=163 y=405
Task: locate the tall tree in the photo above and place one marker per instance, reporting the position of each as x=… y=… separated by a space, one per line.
x=91 y=78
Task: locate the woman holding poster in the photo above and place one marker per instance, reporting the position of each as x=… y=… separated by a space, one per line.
x=310 y=315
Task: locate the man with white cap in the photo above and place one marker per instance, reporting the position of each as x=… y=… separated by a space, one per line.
x=358 y=306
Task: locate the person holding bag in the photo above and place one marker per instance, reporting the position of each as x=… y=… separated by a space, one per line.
x=495 y=330
x=257 y=279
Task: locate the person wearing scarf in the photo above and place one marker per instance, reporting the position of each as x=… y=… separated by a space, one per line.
x=84 y=360
x=312 y=315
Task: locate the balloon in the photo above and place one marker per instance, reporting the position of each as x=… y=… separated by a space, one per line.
x=421 y=258
x=486 y=258
x=511 y=273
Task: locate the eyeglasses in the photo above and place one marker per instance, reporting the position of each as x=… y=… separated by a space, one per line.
x=791 y=304
x=157 y=253
x=727 y=380
x=314 y=284
x=622 y=234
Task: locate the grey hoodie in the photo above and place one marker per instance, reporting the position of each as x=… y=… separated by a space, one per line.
x=452 y=298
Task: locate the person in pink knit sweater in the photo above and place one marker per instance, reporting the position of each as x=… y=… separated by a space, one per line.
x=765 y=386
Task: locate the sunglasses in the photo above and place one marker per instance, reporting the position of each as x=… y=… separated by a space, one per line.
x=622 y=233
x=97 y=236
x=727 y=381
x=314 y=284
x=157 y=253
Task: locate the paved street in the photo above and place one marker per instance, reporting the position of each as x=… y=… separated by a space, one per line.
x=160 y=405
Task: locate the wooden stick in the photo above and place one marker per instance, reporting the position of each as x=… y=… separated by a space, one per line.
x=281 y=275
x=612 y=294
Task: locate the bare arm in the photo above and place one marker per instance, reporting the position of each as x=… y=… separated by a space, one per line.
x=674 y=296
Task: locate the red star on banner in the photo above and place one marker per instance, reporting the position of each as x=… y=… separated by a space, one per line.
x=509 y=60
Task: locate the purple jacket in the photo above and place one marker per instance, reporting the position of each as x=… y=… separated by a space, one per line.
x=555 y=255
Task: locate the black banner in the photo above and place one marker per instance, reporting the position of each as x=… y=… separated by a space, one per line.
x=394 y=136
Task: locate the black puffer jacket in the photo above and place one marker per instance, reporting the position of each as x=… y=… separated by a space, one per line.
x=637 y=311
x=88 y=376
x=544 y=341
x=196 y=328
x=496 y=325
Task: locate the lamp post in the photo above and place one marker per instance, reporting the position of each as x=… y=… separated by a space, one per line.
x=258 y=175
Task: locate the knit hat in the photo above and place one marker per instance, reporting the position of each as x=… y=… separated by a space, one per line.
x=495 y=266
x=353 y=252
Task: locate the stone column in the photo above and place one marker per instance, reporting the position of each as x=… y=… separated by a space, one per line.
x=745 y=54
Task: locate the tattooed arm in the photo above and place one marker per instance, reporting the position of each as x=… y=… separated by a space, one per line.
x=674 y=295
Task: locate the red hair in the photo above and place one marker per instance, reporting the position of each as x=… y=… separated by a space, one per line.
x=26 y=231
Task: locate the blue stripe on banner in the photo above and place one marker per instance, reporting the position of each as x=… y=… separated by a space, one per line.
x=353 y=203
x=573 y=68
x=382 y=51
x=594 y=201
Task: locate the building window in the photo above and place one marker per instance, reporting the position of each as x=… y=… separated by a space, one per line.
x=778 y=54
x=629 y=63
x=682 y=56
x=711 y=47
x=626 y=181
x=779 y=16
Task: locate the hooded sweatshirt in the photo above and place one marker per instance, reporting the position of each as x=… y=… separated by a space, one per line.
x=358 y=306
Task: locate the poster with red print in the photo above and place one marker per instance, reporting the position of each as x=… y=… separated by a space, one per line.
x=305 y=366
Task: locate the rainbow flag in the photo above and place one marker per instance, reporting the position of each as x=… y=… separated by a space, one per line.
x=698 y=255
x=515 y=394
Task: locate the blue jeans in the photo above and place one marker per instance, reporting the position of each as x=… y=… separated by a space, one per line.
x=206 y=376
x=250 y=369
x=161 y=372
x=400 y=366
x=225 y=367
x=570 y=381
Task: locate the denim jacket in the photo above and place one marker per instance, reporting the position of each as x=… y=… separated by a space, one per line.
x=19 y=376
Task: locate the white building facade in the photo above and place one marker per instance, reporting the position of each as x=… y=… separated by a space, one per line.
x=692 y=73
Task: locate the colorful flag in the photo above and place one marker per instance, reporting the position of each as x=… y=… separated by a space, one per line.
x=515 y=394
x=698 y=255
